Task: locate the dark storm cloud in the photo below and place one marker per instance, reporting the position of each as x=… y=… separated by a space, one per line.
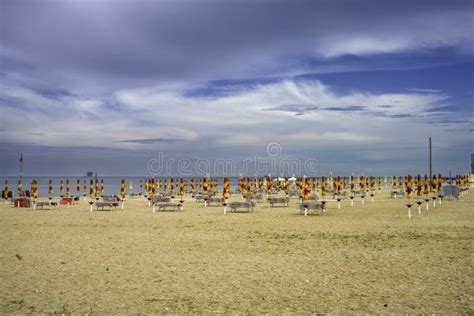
x=147 y=42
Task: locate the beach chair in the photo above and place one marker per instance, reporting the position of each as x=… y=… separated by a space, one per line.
x=167 y=207
x=244 y=206
x=277 y=200
x=101 y=206
x=317 y=207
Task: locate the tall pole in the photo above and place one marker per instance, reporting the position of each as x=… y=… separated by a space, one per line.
x=430 y=163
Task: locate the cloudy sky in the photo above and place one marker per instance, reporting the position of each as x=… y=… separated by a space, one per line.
x=357 y=85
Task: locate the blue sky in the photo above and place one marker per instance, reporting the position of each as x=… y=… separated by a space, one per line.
x=358 y=86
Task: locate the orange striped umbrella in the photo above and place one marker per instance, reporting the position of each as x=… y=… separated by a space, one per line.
x=440 y=183
x=226 y=188
x=418 y=185
x=204 y=185
x=323 y=186
x=191 y=185
x=352 y=185
x=91 y=188
x=102 y=185
x=122 y=188
x=286 y=186
x=425 y=185
x=61 y=185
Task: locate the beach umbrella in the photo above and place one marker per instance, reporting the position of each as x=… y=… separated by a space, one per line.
x=122 y=188
x=5 y=188
x=434 y=184
x=181 y=187
x=191 y=185
x=440 y=187
x=96 y=186
x=19 y=188
x=34 y=188
x=50 y=186
x=323 y=187
x=286 y=186
x=204 y=185
x=91 y=188
x=408 y=190
x=306 y=188
x=269 y=184
x=61 y=186
x=102 y=185
x=314 y=184
x=130 y=186
x=418 y=185
x=78 y=186
x=68 y=188
x=425 y=186
x=171 y=185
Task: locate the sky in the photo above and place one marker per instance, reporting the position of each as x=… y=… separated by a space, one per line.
x=177 y=87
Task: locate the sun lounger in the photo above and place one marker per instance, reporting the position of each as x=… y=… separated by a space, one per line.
x=307 y=207
x=167 y=207
x=277 y=200
x=253 y=197
x=103 y=205
x=451 y=190
x=395 y=194
x=214 y=201
x=246 y=206
x=160 y=199
x=43 y=204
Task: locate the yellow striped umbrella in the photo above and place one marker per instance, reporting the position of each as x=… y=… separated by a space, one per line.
x=204 y=185
x=68 y=188
x=226 y=188
x=122 y=188
x=434 y=184
x=19 y=188
x=102 y=185
x=394 y=182
x=314 y=184
x=61 y=186
x=191 y=185
x=181 y=187
x=323 y=186
x=78 y=186
x=418 y=185
x=409 y=184
x=425 y=186
x=361 y=184
x=338 y=185
x=286 y=186
x=91 y=188
x=440 y=183
x=269 y=184
x=50 y=186
x=96 y=186
x=306 y=188
x=372 y=184
x=5 y=188
x=34 y=188
x=171 y=185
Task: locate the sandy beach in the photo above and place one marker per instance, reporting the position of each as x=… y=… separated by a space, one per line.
x=364 y=259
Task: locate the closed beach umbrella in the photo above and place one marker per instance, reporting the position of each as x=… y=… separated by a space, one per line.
x=34 y=188
x=339 y=185
x=418 y=185
x=204 y=185
x=269 y=184
x=171 y=185
x=19 y=188
x=5 y=188
x=425 y=186
x=361 y=184
x=102 y=185
x=191 y=185
x=286 y=186
x=323 y=186
x=352 y=185
x=122 y=188
x=50 y=186
x=225 y=188
x=78 y=186
x=68 y=188
x=181 y=187
x=141 y=185
x=409 y=187
x=440 y=183
x=434 y=184
x=61 y=185
x=91 y=188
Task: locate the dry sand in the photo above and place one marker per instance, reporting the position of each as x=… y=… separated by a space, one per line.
x=365 y=259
